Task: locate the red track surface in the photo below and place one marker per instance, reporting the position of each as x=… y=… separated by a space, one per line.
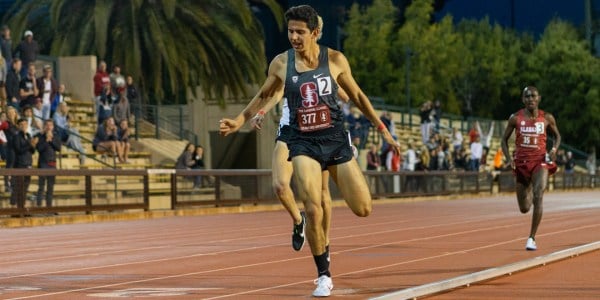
x=248 y=256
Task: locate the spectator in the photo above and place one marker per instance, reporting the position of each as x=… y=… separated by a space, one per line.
x=386 y=120
x=101 y=80
x=24 y=146
x=461 y=160
x=437 y=115
x=476 y=153
x=441 y=159
x=432 y=143
x=410 y=163
x=474 y=132
x=199 y=165
x=3 y=74
x=393 y=161
x=185 y=161
x=486 y=139
x=34 y=126
x=363 y=131
x=352 y=122
x=59 y=98
x=11 y=117
x=591 y=166
x=499 y=160
x=106 y=139
x=105 y=104
x=561 y=158
x=457 y=139
x=47 y=146
x=69 y=135
x=37 y=114
x=3 y=127
x=117 y=81
x=48 y=89
x=4 y=143
x=569 y=169
x=121 y=110
x=424 y=159
x=132 y=94
x=410 y=160
x=6 y=45
x=27 y=51
x=425 y=113
x=123 y=137
x=373 y=159
x=13 y=82
x=28 y=88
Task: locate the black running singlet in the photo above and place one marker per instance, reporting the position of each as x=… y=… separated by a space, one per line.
x=312 y=97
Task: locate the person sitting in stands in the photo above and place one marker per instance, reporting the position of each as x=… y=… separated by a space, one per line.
x=123 y=138
x=69 y=135
x=106 y=139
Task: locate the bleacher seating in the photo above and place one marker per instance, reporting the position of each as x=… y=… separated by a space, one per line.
x=69 y=190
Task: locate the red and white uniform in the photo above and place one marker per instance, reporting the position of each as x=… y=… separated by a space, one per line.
x=530 y=152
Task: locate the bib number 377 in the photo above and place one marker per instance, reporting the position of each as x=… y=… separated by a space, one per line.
x=314 y=118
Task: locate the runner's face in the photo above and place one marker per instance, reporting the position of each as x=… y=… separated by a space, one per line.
x=300 y=35
x=531 y=99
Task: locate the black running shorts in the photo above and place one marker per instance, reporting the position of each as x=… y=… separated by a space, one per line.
x=283 y=133
x=328 y=150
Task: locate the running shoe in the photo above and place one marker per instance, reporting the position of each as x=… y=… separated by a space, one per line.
x=530 y=246
x=298 y=233
x=324 y=286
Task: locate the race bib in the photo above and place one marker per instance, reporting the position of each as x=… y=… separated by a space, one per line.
x=314 y=118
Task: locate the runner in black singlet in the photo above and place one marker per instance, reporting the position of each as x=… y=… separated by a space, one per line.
x=310 y=75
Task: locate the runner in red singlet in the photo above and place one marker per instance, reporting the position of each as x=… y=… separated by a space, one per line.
x=530 y=165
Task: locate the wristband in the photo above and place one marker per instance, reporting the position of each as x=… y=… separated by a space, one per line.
x=261 y=112
x=381 y=127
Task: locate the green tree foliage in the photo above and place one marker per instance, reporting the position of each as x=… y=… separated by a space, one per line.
x=368 y=46
x=167 y=46
x=489 y=58
x=568 y=78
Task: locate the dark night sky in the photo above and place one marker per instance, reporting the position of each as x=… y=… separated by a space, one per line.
x=529 y=15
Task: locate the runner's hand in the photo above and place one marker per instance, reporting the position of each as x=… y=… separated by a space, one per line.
x=257 y=121
x=228 y=126
x=387 y=136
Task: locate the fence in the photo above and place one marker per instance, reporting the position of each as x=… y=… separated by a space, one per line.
x=87 y=191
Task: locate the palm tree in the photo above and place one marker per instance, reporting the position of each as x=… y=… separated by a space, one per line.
x=166 y=45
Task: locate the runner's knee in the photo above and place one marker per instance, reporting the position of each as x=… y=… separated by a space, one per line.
x=280 y=188
x=362 y=210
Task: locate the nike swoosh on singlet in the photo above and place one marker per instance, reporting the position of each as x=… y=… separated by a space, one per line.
x=317 y=76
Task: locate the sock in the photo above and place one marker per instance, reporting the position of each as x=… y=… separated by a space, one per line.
x=322 y=262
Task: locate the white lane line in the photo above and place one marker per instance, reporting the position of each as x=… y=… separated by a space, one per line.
x=468 y=279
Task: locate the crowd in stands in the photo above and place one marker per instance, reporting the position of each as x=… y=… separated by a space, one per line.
x=113 y=94
x=34 y=114
x=439 y=148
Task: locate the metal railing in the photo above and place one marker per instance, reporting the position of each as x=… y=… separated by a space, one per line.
x=174 y=189
x=167 y=119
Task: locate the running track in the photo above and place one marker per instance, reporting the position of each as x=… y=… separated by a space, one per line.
x=248 y=255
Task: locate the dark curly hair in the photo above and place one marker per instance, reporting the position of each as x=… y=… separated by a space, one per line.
x=303 y=13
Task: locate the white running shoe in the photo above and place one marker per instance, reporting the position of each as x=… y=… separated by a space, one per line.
x=324 y=286
x=530 y=246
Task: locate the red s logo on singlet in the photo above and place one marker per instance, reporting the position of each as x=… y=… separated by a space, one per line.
x=309 y=94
